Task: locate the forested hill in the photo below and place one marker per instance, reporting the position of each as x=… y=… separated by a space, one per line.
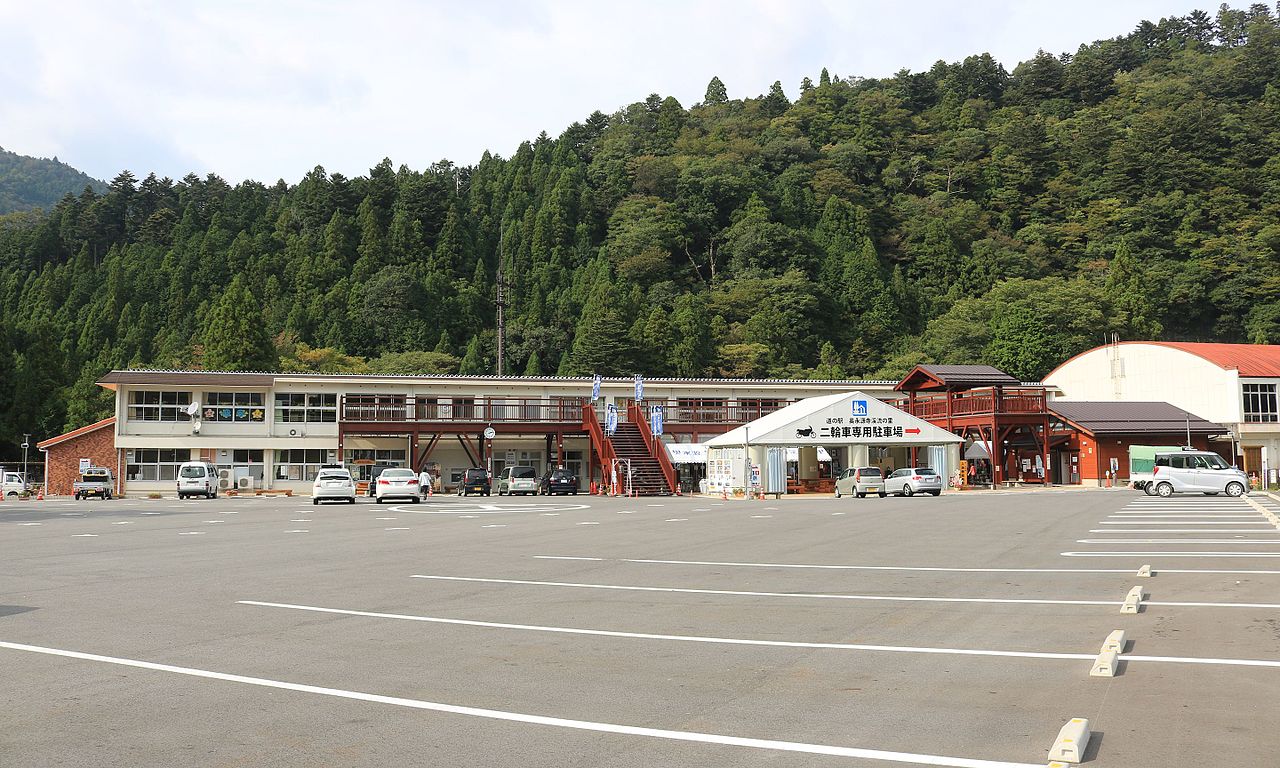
x=841 y=227
x=34 y=182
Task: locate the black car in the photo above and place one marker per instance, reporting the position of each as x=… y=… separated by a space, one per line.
x=374 y=472
x=558 y=481
x=476 y=480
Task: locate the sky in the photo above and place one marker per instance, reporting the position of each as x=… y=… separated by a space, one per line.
x=269 y=90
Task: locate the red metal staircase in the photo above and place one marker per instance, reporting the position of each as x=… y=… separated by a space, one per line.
x=651 y=472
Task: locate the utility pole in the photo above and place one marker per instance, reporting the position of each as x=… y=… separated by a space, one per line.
x=502 y=320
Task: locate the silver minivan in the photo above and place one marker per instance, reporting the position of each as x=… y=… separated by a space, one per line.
x=197 y=478
x=859 y=481
x=1195 y=472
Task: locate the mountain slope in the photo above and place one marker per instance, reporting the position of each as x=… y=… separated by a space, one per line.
x=32 y=182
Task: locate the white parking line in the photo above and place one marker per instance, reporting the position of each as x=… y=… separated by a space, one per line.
x=716 y=563
x=494 y=525
x=555 y=557
x=1178 y=522
x=395 y=529
x=582 y=725
x=1181 y=530
x=30 y=523
x=808 y=595
x=1174 y=554
x=1178 y=541
x=589 y=522
x=191 y=533
x=298 y=530
x=84 y=535
x=766 y=643
x=677 y=520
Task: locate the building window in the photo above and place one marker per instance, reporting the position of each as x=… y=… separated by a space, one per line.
x=298 y=408
x=299 y=464
x=1260 y=403
x=363 y=460
x=154 y=463
x=233 y=406
x=243 y=462
x=159 y=406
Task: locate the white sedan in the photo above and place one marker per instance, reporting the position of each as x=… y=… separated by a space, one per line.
x=333 y=484
x=397 y=483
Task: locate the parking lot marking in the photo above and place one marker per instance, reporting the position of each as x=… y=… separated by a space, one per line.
x=30 y=523
x=765 y=643
x=1177 y=554
x=758 y=517
x=496 y=714
x=714 y=563
x=556 y=557
x=384 y=518
x=494 y=525
x=677 y=520
x=1182 y=530
x=130 y=522
x=84 y=535
x=301 y=520
x=1178 y=522
x=809 y=595
x=1178 y=541
x=589 y=522
x=191 y=533
x=211 y=522
x=395 y=529
x=298 y=530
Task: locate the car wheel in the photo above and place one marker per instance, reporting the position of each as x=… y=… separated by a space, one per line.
x=1235 y=489
x=315 y=502
x=417 y=499
x=378 y=499
x=936 y=493
x=1164 y=490
x=861 y=495
x=351 y=500
x=907 y=490
x=837 y=493
x=1149 y=489
x=882 y=494
x=107 y=496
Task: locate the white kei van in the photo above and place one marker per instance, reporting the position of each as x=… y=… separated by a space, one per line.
x=197 y=478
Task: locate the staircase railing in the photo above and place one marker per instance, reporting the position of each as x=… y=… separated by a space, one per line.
x=601 y=444
x=635 y=412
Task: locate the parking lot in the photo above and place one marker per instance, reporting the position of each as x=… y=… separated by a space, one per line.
x=581 y=631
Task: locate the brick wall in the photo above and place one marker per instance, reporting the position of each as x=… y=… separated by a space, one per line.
x=97 y=446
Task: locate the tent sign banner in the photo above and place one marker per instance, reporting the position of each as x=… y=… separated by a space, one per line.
x=842 y=419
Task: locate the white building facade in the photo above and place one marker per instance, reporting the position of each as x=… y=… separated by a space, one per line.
x=1235 y=385
x=274 y=430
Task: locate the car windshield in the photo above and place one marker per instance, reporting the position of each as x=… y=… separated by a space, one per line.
x=562 y=474
x=1213 y=461
x=524 y=473
x=93 y=478
x=192 y=472
x=476 y=474
x=871 y=472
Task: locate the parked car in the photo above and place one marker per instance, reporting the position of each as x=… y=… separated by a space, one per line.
x=94 y=481
x=475 y=480
x=14 y=484
x=374 y=472
x=197 y=478
x=1190 y=471
x=336 y=484
x=558 y=481
x=860 y=481
x=397 y=483
x=522 y=480
x=912 y=480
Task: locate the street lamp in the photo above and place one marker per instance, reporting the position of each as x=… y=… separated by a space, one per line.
x=26 y=442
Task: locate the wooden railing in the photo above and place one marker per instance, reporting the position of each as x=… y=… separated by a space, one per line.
x=977 y=402
x=478 y=410
x=591 y=423
x=636 y=413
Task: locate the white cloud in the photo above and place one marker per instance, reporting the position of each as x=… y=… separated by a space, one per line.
x=269 y=90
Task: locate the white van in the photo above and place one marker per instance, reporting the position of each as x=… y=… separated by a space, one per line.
x=197 y=478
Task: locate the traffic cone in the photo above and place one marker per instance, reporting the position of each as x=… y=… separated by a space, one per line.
x=39 y=495
x=724 y=493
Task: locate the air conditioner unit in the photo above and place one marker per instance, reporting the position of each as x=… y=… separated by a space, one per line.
x=224 y=483
x=224 y=474
x=244 y=484
x=297 y=432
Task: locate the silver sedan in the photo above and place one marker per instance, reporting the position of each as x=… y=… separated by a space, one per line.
x=912 y=480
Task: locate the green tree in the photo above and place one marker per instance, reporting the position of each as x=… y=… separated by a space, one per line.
x=235 y=337
x=716 y=93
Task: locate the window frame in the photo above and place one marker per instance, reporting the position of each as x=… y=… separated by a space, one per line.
x=1260 y=402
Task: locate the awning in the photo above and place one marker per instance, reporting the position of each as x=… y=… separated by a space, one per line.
x=687 y=453
x=977 y=451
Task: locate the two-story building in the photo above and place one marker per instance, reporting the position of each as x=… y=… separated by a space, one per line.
x=1234 y=385
x=274 y=430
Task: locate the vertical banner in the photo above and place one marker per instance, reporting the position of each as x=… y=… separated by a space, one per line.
x=595 y=388
x=639 y=388
x=655 y=420
x=611 y=419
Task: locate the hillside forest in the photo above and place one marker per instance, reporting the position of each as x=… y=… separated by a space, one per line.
x=843 y=227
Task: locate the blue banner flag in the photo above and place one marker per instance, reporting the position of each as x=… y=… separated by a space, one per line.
x=656 y=420
x=639 y=388
x=595 y=388
x=611 y=419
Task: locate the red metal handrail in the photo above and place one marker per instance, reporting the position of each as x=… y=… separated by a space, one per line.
x=591 y=423
x=977 y=402
x=656 y=449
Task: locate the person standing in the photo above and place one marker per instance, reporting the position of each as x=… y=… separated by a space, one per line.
x=424 y=482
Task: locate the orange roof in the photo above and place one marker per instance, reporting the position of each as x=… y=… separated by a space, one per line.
x=75 y=433
x=1248 y=359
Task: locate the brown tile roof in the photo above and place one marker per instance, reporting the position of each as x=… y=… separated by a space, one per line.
x=1101 y=418
x=75 y=433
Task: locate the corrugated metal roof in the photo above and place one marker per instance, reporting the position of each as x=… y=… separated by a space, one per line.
x=1248 y=359
x=977 y=375
x=1098 y=417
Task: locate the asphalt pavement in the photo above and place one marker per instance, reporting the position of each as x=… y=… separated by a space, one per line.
x=582 y=631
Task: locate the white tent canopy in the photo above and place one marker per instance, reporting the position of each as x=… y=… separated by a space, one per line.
x=849 y=418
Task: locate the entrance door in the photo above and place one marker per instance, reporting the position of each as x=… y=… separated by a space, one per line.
x=1252 y=459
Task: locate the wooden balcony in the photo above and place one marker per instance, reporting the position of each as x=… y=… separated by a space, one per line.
x=977 y=402
x=391 y=411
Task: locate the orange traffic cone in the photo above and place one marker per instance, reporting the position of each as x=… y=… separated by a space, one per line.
x=724 y=493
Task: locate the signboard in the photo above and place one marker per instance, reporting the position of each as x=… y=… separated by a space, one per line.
x=611 y=419
x=655 y=419
x=755 y=475
x=1115 y=466
x=85 y=464
x=595 y=388
x=859 y=407
x=639 y=388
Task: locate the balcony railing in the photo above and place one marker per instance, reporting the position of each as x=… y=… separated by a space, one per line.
x=711 y=411
x=977 y=402
x=469 y=410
